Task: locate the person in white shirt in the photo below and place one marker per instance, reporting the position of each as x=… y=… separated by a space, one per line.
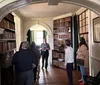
x=69 y=59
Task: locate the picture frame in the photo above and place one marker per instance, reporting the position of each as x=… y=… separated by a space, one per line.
x=96 y=30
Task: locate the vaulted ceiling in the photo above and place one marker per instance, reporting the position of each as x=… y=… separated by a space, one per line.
x=44 y=10
x=7 y=6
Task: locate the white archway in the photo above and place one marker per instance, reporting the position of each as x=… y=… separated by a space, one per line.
x=95 y=7
x=49 y=30
x=38 y=28
x=44 y=26
x=91 y=4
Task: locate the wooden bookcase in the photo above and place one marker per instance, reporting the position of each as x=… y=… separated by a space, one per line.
x=61 y=32
x=83 y=25
x=7 y=48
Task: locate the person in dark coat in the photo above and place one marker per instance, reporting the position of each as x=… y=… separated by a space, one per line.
x=36 y=53
x=23 y=60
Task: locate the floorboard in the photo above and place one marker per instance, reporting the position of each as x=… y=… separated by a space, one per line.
x=56 y=76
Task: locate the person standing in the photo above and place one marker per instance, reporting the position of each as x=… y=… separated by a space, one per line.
x=83 y=54
x=69 y=59
x=36 y=53
x=45 y=47
x=23 y=60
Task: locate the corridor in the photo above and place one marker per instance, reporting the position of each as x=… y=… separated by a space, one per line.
x=56 y=76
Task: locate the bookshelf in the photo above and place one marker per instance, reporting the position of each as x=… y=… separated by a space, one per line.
x=7 y=49
x=61 y=32
x=83 y=25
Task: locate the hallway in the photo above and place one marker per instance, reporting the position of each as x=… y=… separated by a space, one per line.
x=56 y=76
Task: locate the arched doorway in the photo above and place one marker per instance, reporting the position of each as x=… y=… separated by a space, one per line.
x=10 y=6
x=37 y=32
x=91 y=5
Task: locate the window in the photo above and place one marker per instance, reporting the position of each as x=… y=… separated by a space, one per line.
x=39 y=37
x=83 y=25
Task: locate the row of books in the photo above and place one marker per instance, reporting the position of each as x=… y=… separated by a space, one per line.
x=59 y=64
x=6 y=24
x=10 y=17
x=7 y=35
x=59 y=42
x=11 y=45
x=67 y=19
x=6 y=57
x=60 y=49
x=65 y=36
x=5 y=46
x=57 y=54
x=56 y=47
x=9 y=55
x=63 y=30
x=62 y=24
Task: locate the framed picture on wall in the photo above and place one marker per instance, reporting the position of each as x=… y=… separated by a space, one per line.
x=96 y=30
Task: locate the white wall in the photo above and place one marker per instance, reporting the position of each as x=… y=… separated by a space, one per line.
x=18 y=29
x=94 y=49
x=47 y=23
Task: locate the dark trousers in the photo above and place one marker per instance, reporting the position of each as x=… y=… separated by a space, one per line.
x=45 y=55
x=35 y=72
x=25 y=78
x=69 y=68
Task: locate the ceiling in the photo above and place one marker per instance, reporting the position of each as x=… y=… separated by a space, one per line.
x=44 y=10
x=5 y=2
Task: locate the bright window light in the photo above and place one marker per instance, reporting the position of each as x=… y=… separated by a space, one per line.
x=39 y=37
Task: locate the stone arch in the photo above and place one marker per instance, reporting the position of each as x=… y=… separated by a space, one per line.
x=21 y=3
x=42 y=24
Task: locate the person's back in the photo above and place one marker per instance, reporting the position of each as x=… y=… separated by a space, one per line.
x=35 y=52
x=23 y=61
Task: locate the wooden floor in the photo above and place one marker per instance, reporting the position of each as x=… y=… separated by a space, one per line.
x=56 y=76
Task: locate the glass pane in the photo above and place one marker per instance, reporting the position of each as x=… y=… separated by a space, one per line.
x=86 y=28
x=83 y=15
x=81 y=30
x=39 y=38
x=80 y=18
x=87 y=13
x=86 y=21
